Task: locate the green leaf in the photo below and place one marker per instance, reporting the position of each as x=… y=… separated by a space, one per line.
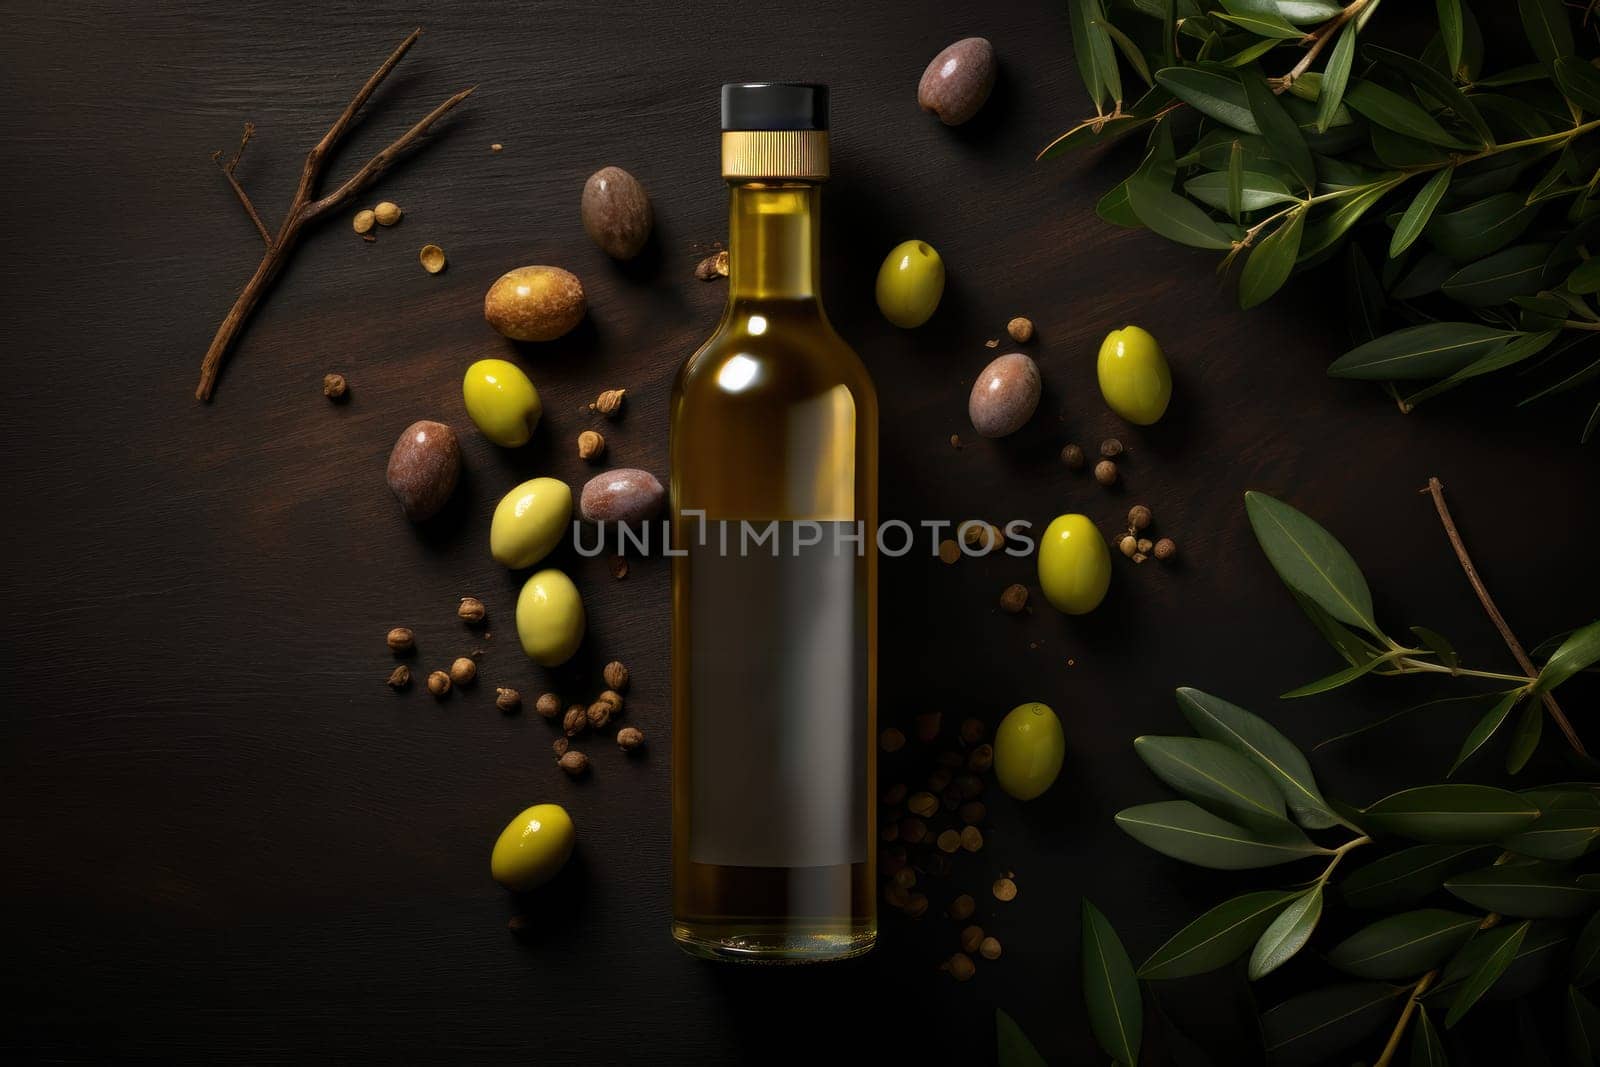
x=1503 y=944
x=1549 y=32
x=1525 y=739
x=1218 y=937
x=1113 y=207
x=1476 y=230
x=1172 y=216
x=1521 y=75
x=1354 y=648
x=1404 y=946
x=1586 y=955
x=1576 y=653
x=1110 y=989
x=1336 y=77
x=1278 y=128
x=1185 y=831
x=1436 y=643
x=1514 y=352
x=1211 y=93
x=1130 y=51
x=1335 y=680
x=1253 y=736
x=1492 y=281
x=1451 y=814
x=1406 y=876
x=1420 y=211
x=1526 y=891
x=1312 y=1026
x=1014 y=1049
x=1562 y=834
x=1261 y=18
x=1084 y=30
x=1307 y=12
x=1256 y=190
x=1216 y=777
x=1287 y=934
x=1583 y=1028
x=1437 y=86
x=1431 y=270
x=1426 y=1048
x=1311 y=561
x=1585 y=277
x=1579 y=82
x=1400 y=152
x=1325 y=232
x=1365 y=300
x=1105 y=56
x=1272 y=261
x=1570 y=381
x=1431 y=350
x=1093 y=131
x=1450 y=32
x=1491 y=722
x=1235 y=195
x=1394 y=112
x=1251 y=53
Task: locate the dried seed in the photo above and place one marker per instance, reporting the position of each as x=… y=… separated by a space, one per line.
x=962 y=907
x=471 y=610
x=1020 y=329
x=1005 y=889
x=912 y=831
x=630 y=738
x=989 y=948
x=969 y=786
x=560 y=746
x=895 y=897
x=507 y=700
x=612 y=700
x=928 y=726
x=955 y=440
x=432 y=258
x=573 y=762
x=402 y=640
x=892 y=740
x=1110 y=448
x=1166 y=549
x=713 y=266
x=619 y=568
x=916 y=906
x=439 y=684
x=972 y=812
x=1013 y=599
x=1138 y=517
x=949 y=551
x=387 y=213
x=972 y=731
x=949 y=841
x=1128 y=545
x=971 y=938
x=616 y=675
x=609 y=403
x=1105 y=472
x=334 y=387
x=463 y=671
x=971 y=838
x=905 y=878
x=961 y=967
x=548 y=705
x=895 y=794
x=364 y=220
x=1072 y=456
x=981 y=759
x=496 y=147
x=400 y=677
x=575 y=721
x=923 y=804
x=590 y=444
x=939 y=779
x=598 y=714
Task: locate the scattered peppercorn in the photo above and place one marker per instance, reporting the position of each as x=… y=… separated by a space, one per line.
x=962 y=907
x=402 y=640
x=989 y=948
x=949 y=551
x=981 y=759
x=432 y=258
x=916 y=906
x=575 y=763
x=598 y=714
x=612 y=700
x=560 y=746
x=973 y=812
x=1005 y=889
x=364 y=220
x=1138 y=517
x=609 y=402
x=895 y=794
x=1020 y=329
x=507 y=700
x=575 y=721
x=1128 y=545
x=1014 y=599
x=892 y=740
x=590 y=444
x=1145 y=545
x=912 y=831
x=971 y=938
x=471 y=610
x=961 y=967
x=616 y=675
x=1105 y=472
x=387 y=213
x=334 y=387
x=905 y=878
x=928 y=724
x=1072 y=456
x=713 y=266
x=400 y=677
x=629 y=738
x=971 y=838
x=1110 y=448
x=463 y=671
x=968 y=785
x=955 y=440
x=949 y=841
x=548 y=705
x=439 y=684
x=619 y=568
x=923 y=804
x=1166 y=549
x=972 y=730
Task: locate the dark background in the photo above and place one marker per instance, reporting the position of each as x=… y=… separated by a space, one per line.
x=225 y=838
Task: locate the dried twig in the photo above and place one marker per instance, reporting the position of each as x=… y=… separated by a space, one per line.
x=1436 y=489
x=238 y=190
x=306 y=208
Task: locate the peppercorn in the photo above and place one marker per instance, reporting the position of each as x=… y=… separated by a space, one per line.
x=507 y=700
x=894 y=794
x=1013 y=599
x=1138 y=517
x=463 y=671
x=439 y=684
x=609 y=402
x=962 y=907
x=916 y=906
x=971 y=838
x=387 y=213
x=892 y=740
x=1005 y=889
x=471 y=610
x=939 y=779
x=890 y=832
x=952 y=759
x=972 y=731
x=989 y=948
x=575 y=721
x=912 y=831
x=905 y=878
x=518 y=925
x=895 y=896
x=401 y=640
x=961 y=967
x=1110 y=448
x=1020 y=329
x=400 y=678
x=548 y=705
x=928 y=726
x=590 y=444
x=1072 y=456
x=981 y=759
x=612 y=700
x=363 y=221
x=892 y=859
x=1128 y=545
x=629 y=738
x=1105 y=472
x=923 y=804
x=1145 y=545
x=616 y=675
x=598 y=714
x=955 y=440
x=968 y=785
x=949 y=841
x=973 y=812
x=619 y=568
x=971 y=938
x=560 y=746
x=334 y=386
x=1166 y=549
x=573 y=762
x=949 y=551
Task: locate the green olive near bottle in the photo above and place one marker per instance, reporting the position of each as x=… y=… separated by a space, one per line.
x=1134 y=377
x=501 y=401
x=529 y=522
x=1074 y=565
x=910 y=283
x=533 y=848
x=1028 y=749
x=550 y=618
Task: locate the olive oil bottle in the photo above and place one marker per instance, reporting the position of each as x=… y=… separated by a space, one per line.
x=774 y=473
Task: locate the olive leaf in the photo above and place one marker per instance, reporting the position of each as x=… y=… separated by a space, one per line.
x=1310 y=1027
x=1281 y=132
x=1311 y=561
x=1561 y=834
x=1212 y=93
x=1579 y=82
x=1287 y=934
x=1185 y=831
x=1336 y=78
x=1501 y=946
x=1217 y=937
x=1525 y=739
x=1438 y=645
x=1427 y=1050
x=1110 y=989
x=1405 y=945
x=1433 y=350
x=1525 y=891
x=1495 y=279
x=1013 y=1049
x=1451 y=814
x=1487 y=726
x=1260 y=17
x=1474 y=231
x=1272 y=261
x=1216 y=777
x=1256 y=190
x=1451 y=32
x=1549 y=32
x=1394 y=112
x=1583 y=1027
x=1438 y=86
x=1420 y=211
x=1336 y=679
x=1176 y=218
x=1514 y=351
x=1407 y=876
x=1082 y=15
x=1586 y=956
x=1576 y=653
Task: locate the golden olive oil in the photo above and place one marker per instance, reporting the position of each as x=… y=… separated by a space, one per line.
x=774 y=438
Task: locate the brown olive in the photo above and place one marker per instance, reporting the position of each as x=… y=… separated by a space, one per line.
x=623 y=495
x=1004 y=396
x=958 y=81
x=535 y=303
x=616 y=212
x=424 y=467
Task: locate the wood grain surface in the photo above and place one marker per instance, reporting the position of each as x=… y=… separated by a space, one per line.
x=225 y=839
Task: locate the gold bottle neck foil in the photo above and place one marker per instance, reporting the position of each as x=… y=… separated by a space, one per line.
x=793 y=154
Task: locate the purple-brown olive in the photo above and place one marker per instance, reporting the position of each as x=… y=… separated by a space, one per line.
x=625 y=495
x=958 y=81
x=1004 y=396
x=424 y=467
x=616 y=212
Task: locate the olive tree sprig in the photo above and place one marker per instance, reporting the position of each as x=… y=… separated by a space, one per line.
x=1487 y=185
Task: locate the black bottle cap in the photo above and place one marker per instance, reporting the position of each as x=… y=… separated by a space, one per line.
x=774 y=106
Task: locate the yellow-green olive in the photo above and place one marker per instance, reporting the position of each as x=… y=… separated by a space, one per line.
x=1028 y=749
x=550 y=618
x=529 y=521
x=910 y=283
x=1074 y=565
x=502 y=401
x=532 y=848
x=1134 y=377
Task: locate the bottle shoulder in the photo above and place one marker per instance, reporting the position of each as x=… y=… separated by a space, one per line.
x=771 y=346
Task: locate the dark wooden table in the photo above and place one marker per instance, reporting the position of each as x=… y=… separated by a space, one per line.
x=226 y=839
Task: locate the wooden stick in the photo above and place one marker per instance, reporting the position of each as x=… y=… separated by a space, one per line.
x=305 y=209
x=238 y=190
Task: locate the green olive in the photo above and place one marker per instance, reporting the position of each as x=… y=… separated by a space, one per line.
x=550 y=618
x=1028 y=749
x=529 y=521
x=910 y=283
x=1134 y=377
x=502 y=401
x=532 y=848
x=1074 y=565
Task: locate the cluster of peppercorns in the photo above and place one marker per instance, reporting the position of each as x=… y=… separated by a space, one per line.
x=597 y=715
x=463 y=670
x=916 y=852
x=1137 y=547
x=1105 y=471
